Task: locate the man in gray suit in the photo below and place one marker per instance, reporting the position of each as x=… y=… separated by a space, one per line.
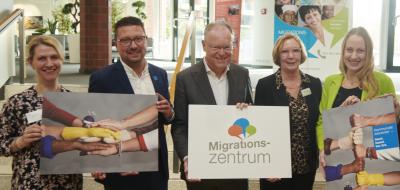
x=213 y=81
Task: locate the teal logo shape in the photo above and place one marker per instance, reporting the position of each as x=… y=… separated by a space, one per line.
x=242 y=129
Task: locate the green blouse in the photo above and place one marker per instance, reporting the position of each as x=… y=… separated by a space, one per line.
x=330 y=90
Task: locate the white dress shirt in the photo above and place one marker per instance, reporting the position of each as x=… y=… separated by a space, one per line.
x=141 y=84
x=219 y=86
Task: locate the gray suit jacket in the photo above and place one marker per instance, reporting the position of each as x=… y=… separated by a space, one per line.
x=193 y=87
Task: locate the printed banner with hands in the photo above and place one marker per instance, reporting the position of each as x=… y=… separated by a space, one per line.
x=118 y=127
x=361 y=138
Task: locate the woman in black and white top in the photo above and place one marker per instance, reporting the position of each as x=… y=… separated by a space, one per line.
x=20 y=136
x=289 y=86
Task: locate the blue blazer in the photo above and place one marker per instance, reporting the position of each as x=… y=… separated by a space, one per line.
x=113 y=79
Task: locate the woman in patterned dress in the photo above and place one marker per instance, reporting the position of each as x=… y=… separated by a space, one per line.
x=20 y=136
x=302 y=93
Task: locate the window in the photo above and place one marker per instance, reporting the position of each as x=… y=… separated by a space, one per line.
x=394 y=64
x=372 y=10
x=393 y=38
x=161 y=26
x=162 y=22
x=246 y=33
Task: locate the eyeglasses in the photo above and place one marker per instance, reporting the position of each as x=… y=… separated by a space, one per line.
x=215 y=48
x=139 y=40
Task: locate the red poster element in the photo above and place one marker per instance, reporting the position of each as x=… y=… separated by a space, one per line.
x=230 y=12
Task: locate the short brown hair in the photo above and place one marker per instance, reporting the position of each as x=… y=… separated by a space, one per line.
x=278 y=46
x=128 y=21
x=43 y=40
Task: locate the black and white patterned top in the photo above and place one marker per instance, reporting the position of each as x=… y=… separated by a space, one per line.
x=299 y=137
x=25 y=163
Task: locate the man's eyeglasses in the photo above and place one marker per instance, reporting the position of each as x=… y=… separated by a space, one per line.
x=225 y=49
x=139 y=40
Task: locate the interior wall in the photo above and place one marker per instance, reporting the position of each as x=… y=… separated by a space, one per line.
x=35 y=8
x=31 y=8
x=5 y=7
x=7 y=62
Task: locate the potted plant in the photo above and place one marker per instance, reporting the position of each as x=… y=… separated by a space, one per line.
x=50 y=26
x=72 y=10
x=117 y=8
x=139 y=6
x=64 y=21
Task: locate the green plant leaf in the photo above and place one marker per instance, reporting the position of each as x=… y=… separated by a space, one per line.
x=139 y=7
x=67 y=8
x=139 y=4
x=41 y=31
x=63 y=20
x=72 y=9
x=51 y=26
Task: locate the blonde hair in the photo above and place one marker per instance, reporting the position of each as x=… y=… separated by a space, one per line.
x=366 y=74
x=278 y=47
x=43 y=40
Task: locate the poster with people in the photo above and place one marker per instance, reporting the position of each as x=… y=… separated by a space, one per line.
x=88 y=132
x=320 y=24
x=361 y=146
x=226 y=142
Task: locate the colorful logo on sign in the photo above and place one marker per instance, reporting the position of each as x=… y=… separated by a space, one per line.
x=242 y=129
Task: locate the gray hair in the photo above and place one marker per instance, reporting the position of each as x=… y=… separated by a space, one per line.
x=213 y=25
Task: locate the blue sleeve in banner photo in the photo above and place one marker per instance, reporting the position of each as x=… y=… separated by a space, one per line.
x=385 y=136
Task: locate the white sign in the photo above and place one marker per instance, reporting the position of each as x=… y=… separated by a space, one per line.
x=225 y=142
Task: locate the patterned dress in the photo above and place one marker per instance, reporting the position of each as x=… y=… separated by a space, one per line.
x=26 y=161
x=300 y=139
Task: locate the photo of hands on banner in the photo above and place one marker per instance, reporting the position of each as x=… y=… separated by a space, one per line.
x=362 y=146
x=90 y=132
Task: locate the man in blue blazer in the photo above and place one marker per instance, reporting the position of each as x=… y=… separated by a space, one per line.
x=133 y=75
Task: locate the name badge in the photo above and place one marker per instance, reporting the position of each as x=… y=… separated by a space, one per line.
x=305 y=92
x=34 y=116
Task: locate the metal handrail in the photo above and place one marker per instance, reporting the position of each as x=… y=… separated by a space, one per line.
x=10 y=19
x=181 y=56
x=188 y=37
x=17 y=15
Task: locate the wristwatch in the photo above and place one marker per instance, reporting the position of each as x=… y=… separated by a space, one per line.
x=85 y=124
x=327 y=146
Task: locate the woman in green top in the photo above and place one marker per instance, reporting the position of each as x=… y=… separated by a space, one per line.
x=357 y=81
